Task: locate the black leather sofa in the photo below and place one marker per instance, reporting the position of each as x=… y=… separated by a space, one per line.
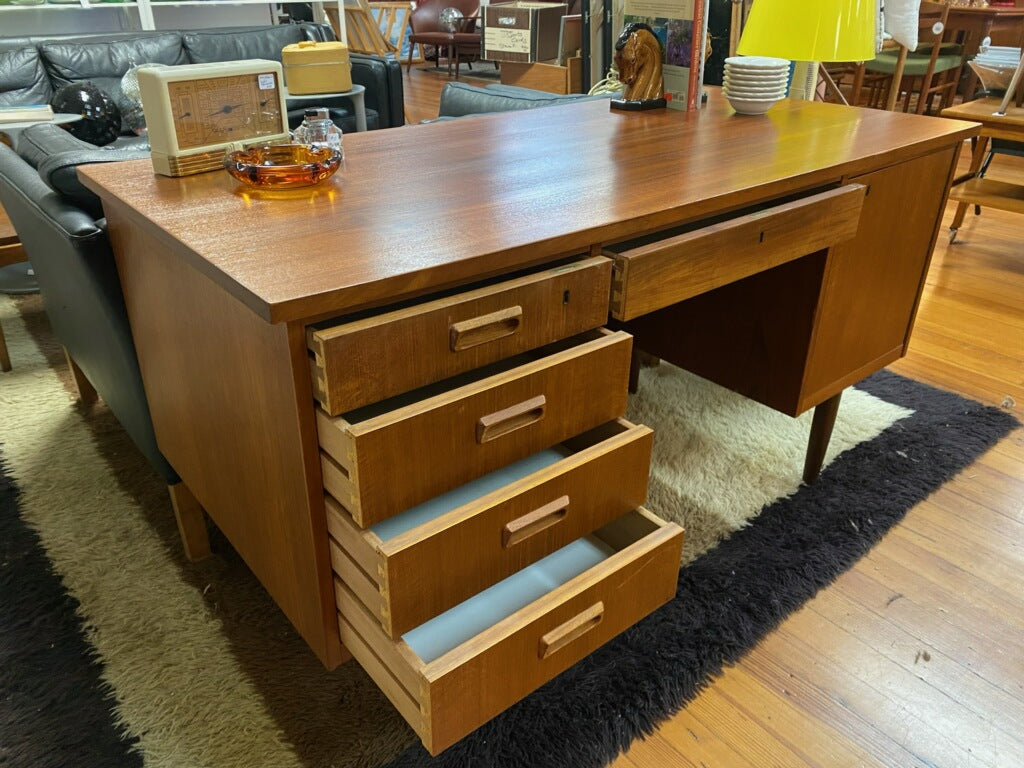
x=61 y=224
x=32 y=69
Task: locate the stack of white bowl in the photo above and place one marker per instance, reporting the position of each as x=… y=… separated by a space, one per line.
x=994 y=65
x=753 y=83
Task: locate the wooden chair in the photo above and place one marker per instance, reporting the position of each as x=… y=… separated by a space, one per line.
x=374 y=27
x=931 y=71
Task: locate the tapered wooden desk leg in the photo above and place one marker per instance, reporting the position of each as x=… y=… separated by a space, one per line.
x=639 y=359
x=821 y=431
x=191 y=522
x=86 y=391
x=5 y=358
x=634 y=371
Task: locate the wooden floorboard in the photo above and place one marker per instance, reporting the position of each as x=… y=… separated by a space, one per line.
x=915 y=657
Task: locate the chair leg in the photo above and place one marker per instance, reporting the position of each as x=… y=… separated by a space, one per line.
x=191 y=522
x=408 y=64
x=5 y=358
x=86 y=391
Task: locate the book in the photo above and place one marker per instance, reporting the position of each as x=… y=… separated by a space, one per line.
x=26 y=113
x=681 y=27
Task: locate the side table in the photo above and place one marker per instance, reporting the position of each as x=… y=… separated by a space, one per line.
x=969 y=188
x=357 y=95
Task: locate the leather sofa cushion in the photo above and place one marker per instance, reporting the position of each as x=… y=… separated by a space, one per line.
x=241 y=43
x=56 y=154
x=104 y=64
x=459 y=99
x=23 y=78
x=382 y=78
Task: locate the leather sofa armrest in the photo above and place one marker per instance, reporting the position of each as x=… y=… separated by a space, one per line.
x=382 y=78
x=56 y=155
x=461 y=100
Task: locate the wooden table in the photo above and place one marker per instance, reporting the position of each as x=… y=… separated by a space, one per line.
x=784 y=257
x=969 y=188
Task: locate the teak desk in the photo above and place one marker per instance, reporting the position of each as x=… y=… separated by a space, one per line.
x=782 y=256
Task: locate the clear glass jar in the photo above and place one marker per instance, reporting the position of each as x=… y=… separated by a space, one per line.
x=319 y=130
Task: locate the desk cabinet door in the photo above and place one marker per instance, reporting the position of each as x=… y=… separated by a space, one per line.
x=874 y=280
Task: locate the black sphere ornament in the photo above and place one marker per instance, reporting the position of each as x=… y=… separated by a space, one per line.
x=101 y=119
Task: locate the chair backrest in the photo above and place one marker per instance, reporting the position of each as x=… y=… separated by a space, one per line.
x=426 y=15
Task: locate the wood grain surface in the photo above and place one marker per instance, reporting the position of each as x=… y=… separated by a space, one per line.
x=787 y=704
x=523 y=188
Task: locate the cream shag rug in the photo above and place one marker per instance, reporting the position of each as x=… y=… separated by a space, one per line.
x=204 y=669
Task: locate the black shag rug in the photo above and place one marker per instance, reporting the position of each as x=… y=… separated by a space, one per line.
x=63 y=701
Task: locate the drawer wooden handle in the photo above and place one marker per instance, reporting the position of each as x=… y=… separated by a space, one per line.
x=480 y=330
x=574 y=628
x=534 y=522
x=510 y=419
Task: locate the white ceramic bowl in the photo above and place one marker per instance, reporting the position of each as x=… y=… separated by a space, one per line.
x=751 y=106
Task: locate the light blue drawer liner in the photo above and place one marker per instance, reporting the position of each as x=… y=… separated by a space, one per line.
x=441 y=634
x=455 y=498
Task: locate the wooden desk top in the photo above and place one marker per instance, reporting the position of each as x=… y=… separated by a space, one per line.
x=477 y=197
x=983 y=111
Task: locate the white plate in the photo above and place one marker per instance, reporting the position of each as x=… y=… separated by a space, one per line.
x=757 y=62
x=739 y=66
x=732 y=93
x=757 y=72
x=756 y=82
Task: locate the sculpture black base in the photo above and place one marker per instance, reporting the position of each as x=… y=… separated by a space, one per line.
x=638 y=105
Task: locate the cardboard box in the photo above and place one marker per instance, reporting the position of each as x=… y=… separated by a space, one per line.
x=312 y=67
x=545 y=76
x=522 y=31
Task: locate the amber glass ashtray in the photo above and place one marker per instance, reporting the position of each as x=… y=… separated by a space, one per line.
x=283 y=166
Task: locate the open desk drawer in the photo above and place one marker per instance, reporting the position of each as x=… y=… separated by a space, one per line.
x=471 y=673
x=383 y=459
x=362 y=361
x=661 y=272
x=418 y=564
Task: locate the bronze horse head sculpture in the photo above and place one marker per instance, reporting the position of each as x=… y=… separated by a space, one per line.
x=638 y=58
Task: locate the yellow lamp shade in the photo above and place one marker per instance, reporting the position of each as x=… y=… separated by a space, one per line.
x=811 y=30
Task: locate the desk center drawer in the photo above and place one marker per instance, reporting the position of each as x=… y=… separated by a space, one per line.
x=657 y=272
x=381 y=460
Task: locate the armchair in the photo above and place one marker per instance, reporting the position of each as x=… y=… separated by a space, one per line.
x=425 y=26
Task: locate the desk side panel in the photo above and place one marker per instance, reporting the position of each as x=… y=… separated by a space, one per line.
x=874 y=280
x=231 y=403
